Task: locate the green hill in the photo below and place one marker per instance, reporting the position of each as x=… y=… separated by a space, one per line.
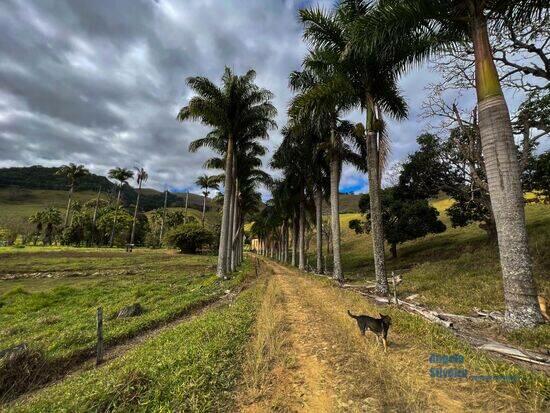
x=23 y=190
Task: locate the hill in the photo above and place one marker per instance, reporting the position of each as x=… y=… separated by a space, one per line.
x=33 y=187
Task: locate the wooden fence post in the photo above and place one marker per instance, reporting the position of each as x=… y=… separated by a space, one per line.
x=99 y=353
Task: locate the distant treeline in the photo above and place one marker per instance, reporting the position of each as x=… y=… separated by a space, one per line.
x=40 y=177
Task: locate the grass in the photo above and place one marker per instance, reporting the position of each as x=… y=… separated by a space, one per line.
x=267 y=349
x=22 y=203
x=455 y=271
x=403 y=374
x=57 y=315
x=194 y=366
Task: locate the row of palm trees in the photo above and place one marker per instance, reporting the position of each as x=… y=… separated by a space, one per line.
x=239 y=114
x=358 y=51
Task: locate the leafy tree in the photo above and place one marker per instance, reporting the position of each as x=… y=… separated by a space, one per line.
x=404 y=219
x=536 y=177
x=122 y=225
x=73 y=173
x=48 y=220
x=189 y=237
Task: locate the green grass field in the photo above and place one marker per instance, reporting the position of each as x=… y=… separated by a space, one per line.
x=22 y=203
x=52 y=304
x=194 y=366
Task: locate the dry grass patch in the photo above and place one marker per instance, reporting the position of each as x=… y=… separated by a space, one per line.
x=267 y=350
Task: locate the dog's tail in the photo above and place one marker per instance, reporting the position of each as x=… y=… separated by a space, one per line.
x=351 y=315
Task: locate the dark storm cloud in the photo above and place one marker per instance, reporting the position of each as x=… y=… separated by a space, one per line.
x=100 y=82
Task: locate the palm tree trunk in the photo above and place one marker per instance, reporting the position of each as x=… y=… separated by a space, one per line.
x=115 y=218
x=224 y=232
x=335 y=208
x=236 y=226
x=319 y=228
x=186 y=204
x=230 y=246
x=135 y=215
x=94 y=217
x=377 y=228
x=294 y=240
x=302 y=234
x=504 y=179
x=163 y=217
x=203 y=206
x=285 y=241
x=68 y=205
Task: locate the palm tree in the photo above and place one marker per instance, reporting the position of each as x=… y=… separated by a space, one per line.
x=429 y=26
x=248 y=155
x=206 y=183
x=302 y=157
x=141 y=177
x=121 y=175
x=324 y=95
x=236 y=110
x=371 y=81
x=73 y=173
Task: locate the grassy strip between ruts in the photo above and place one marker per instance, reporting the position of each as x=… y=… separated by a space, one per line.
x=193 y=367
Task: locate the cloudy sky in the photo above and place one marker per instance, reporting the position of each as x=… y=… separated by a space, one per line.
x=100 y=82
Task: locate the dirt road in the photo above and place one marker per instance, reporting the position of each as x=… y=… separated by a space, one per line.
x=325 y=365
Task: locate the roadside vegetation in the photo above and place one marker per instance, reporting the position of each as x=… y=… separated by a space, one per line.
x=48 y=300
x=194 y=366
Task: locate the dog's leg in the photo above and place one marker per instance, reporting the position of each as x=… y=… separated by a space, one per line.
x=384 y=341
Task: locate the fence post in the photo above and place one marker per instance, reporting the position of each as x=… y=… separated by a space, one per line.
x=99 y=353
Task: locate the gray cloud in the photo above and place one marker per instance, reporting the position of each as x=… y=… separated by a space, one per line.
x=100 y=82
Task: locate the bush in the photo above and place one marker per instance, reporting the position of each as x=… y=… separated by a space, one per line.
x=189 y=237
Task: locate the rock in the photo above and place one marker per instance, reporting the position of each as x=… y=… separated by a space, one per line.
x=14 y=349
x=130 y=311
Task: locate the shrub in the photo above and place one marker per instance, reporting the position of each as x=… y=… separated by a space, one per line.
x=189 y=237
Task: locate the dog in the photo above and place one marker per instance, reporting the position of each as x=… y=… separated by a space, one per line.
x=379 y=326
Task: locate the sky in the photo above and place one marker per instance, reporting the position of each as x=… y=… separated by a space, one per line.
x=101 y=82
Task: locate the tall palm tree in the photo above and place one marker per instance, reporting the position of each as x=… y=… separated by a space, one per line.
x=206 y=183
x=325 y=94
x=371 y=80
x=141 y=177
x=431 y=26
x=233 y=110
x=121 y=175
x=248 y=155
x=73 y=173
